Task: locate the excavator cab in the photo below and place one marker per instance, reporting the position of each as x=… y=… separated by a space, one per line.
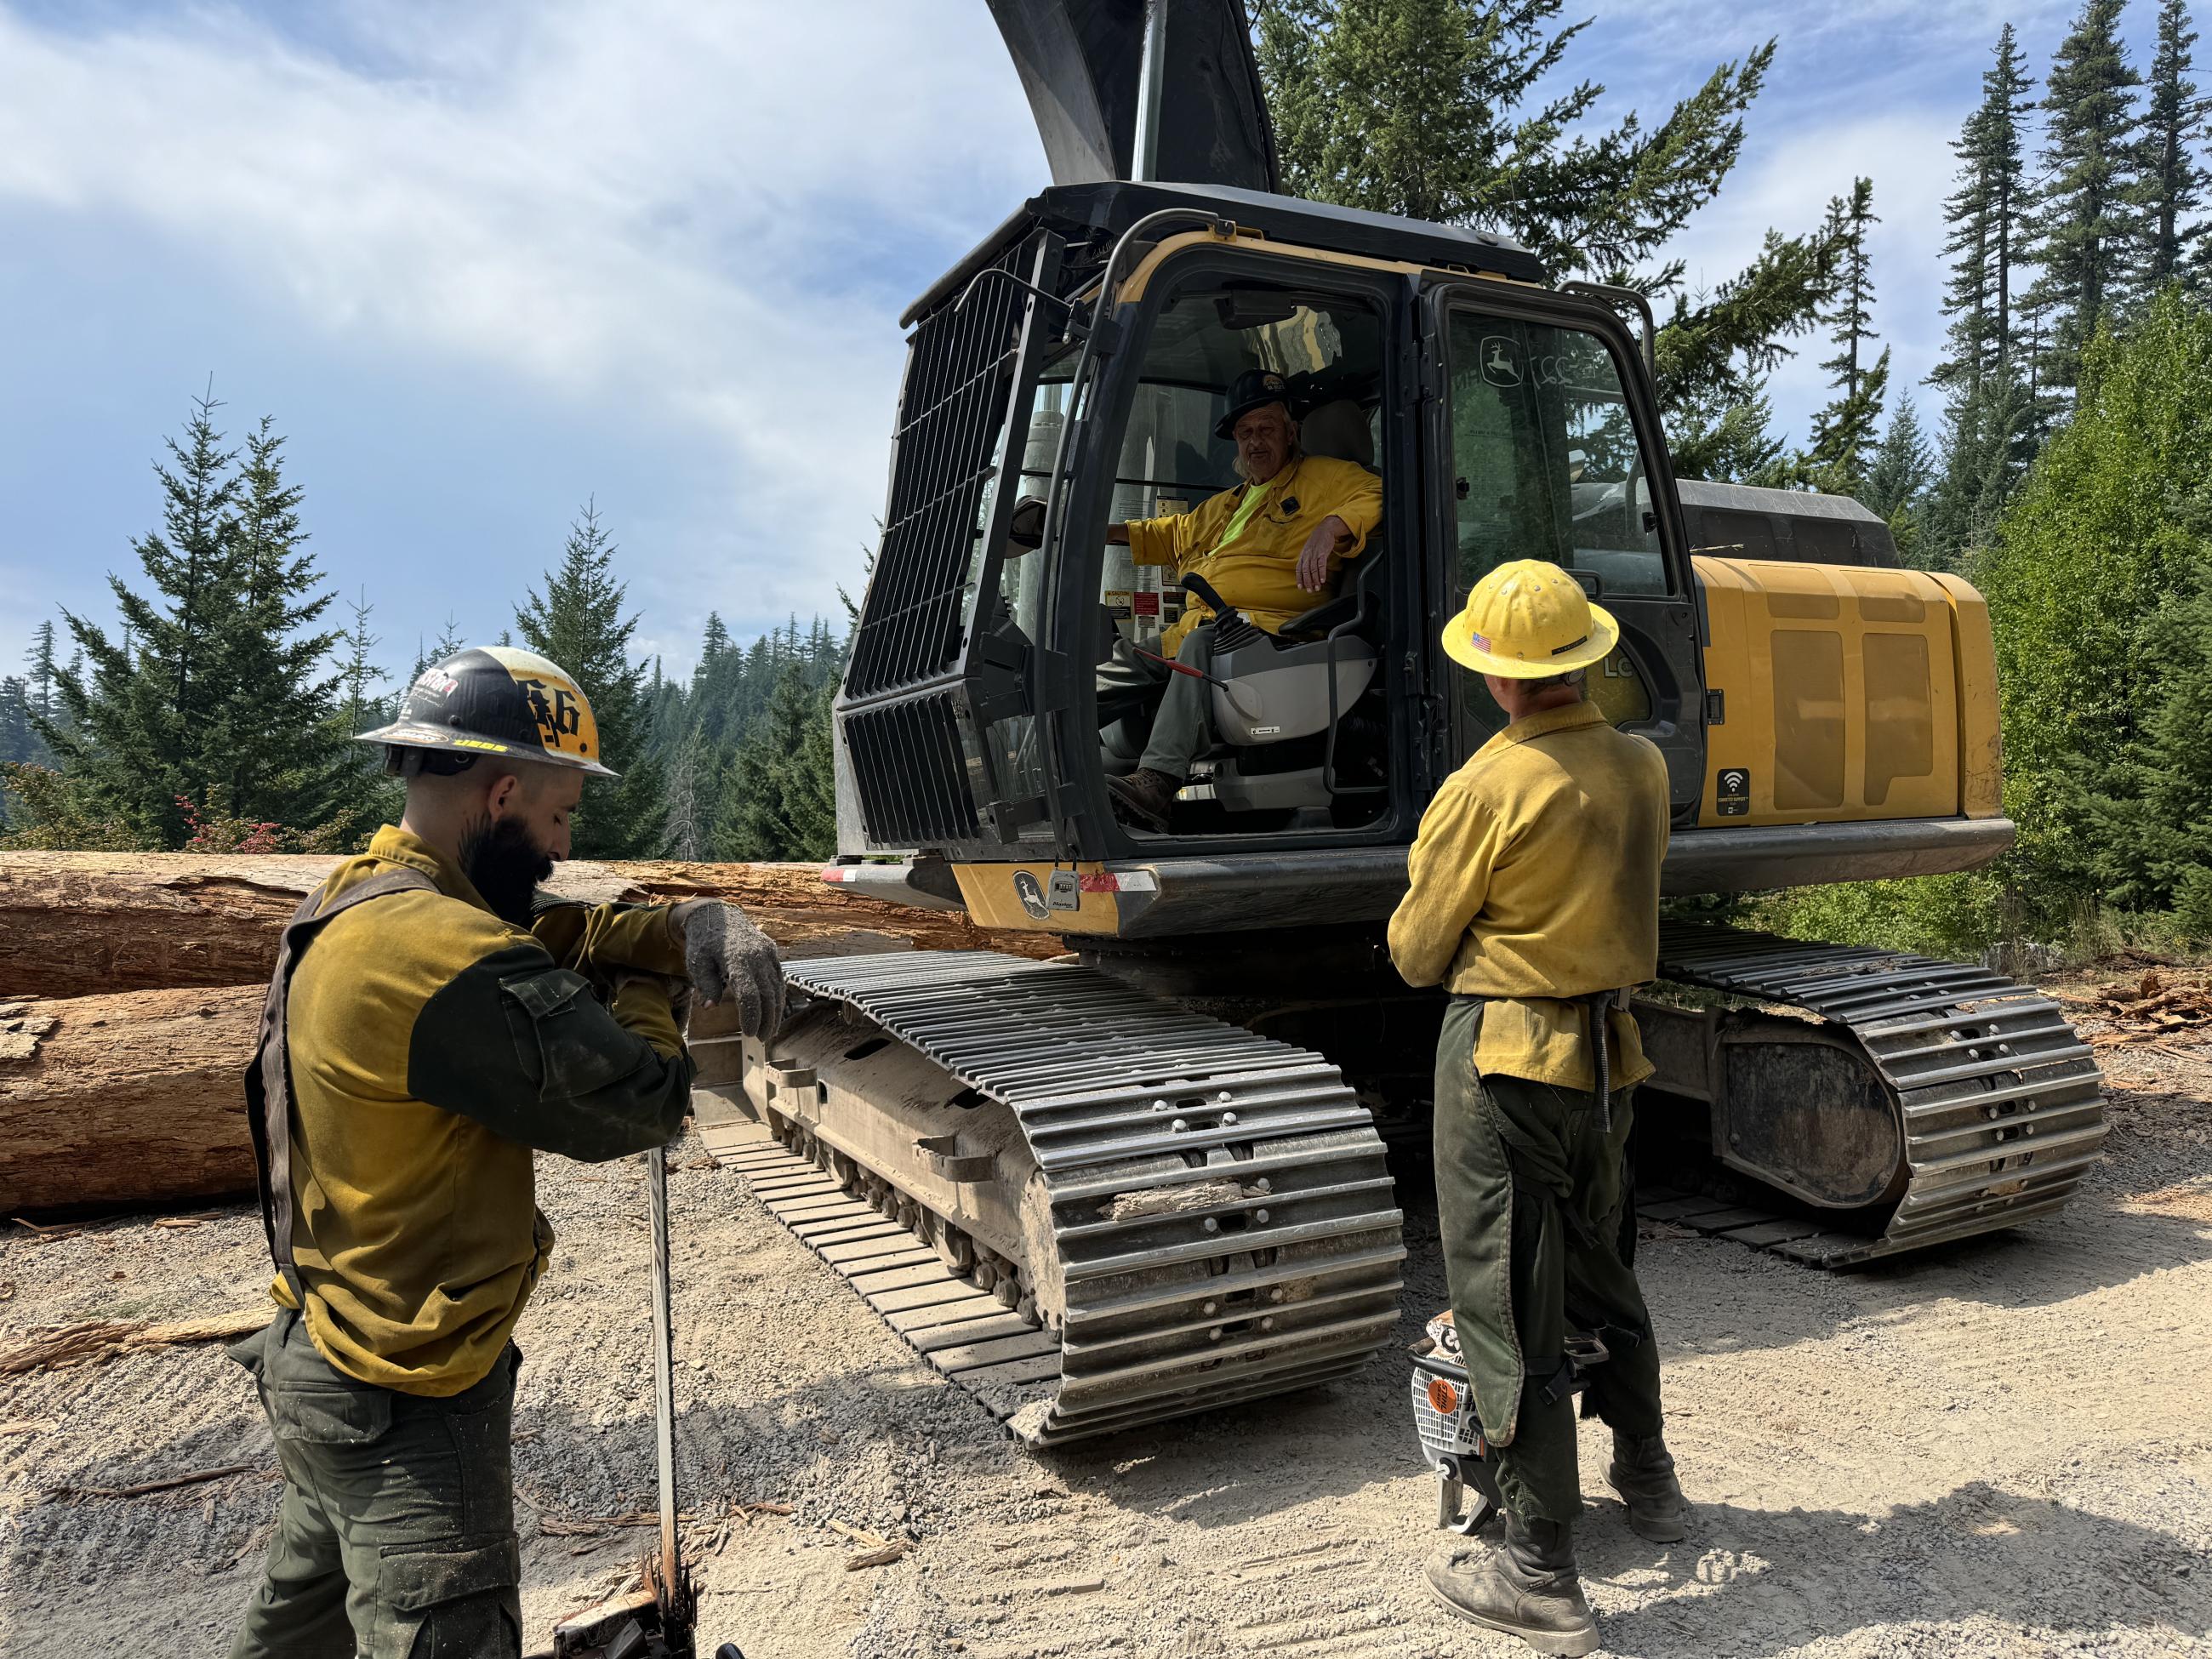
x=1082 y=359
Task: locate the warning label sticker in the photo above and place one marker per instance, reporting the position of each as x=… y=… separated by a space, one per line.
x=1732 y=792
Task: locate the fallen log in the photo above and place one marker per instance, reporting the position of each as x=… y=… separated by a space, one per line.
x=108 y=1102
x=86 y=924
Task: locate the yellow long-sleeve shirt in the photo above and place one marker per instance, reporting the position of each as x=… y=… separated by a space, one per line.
x=1256 y=569
x=432 y=1047
x=1534 y=880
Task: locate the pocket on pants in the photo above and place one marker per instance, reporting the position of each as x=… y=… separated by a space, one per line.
x=327 y=1415
x=453 y=1598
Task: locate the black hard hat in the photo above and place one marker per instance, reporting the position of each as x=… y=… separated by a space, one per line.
x=496 y=700
x=1255 y=388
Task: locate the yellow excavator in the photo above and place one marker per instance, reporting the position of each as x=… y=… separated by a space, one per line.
x=1152 y=1176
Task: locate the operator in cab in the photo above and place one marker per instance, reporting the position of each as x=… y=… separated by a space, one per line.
x=1534 y=900
x=1270 y=547
x=434 y=1020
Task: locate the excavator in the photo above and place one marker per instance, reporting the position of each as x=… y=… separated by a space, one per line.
x=1152 y=1175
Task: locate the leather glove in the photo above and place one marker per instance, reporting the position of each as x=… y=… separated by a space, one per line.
x=726 y=956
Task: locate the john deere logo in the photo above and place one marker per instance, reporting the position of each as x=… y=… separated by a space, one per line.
x=1030 y=892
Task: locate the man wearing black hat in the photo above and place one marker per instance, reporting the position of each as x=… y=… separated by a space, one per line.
x=1270 y=547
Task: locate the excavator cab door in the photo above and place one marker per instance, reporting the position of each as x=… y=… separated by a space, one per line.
x=1544 y=441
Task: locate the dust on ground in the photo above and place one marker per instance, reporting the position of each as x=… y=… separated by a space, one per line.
x=2004 y=1447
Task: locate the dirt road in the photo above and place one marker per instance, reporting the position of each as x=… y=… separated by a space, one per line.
x=2003 y=1449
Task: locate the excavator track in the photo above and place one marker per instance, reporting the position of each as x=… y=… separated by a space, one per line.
x=1221 y=1223
x=1998 y=1104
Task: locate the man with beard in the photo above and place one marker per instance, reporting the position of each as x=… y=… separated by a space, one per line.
x=433 y=1022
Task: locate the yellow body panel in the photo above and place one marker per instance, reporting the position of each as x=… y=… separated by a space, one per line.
x=1849 y=694
x=1015 y=896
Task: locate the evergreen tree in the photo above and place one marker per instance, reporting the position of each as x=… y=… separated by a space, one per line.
x=135 y=721
x=358 y=676
x=578 y=623
x=778 y=797
x=1898 y=479
x=716 y=642
x=1984 y=218
x=42 y=673
x=1423 y=107
x=2170 y=183
x=1844 y=431
x=1989 y=437
x=281 y=755
x=2084 y=224
x=17 y=740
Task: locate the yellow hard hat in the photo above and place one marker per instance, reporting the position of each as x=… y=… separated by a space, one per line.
x=1528 y=619
x=495 y=700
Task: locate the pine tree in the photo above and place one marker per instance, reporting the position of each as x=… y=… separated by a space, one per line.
x=1731 y=443
x=282 y=755
x=578 y=623
x=136 y=718
x=17 y=739
x=40 y=678
x=2170 y=183
x=778 y=798
x=1897 y=481
x=1844 y=431
x=1423 y=107
x=717 y=640
x=2084 y=226
x=1984 y=216
x=362 y=708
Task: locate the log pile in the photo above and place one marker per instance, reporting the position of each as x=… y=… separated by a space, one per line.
x=131 y=984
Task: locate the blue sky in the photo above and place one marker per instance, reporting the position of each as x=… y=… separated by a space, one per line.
x=483 y=261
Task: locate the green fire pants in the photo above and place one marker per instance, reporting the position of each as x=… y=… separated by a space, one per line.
x=1536 y=1223
x=395 y=1535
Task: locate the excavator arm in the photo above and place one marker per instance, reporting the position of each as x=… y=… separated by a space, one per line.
x=1163 y=90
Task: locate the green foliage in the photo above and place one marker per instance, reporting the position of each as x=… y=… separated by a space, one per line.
x=44 y=810
x=778 y=796
x=1955 y=916
x=1896 y=484
x=578 y=623
x=2105 y=538
x=1984 y=216
x=2171 y=185
x=1432 y=108
x=2085 y=221
x=2149 y=814
x=215 y=686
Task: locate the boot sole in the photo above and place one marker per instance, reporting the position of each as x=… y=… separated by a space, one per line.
x=1571 y=1643
x=1651 y=1532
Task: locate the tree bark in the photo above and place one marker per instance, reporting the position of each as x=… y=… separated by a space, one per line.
x=125 y=1100
x=85 y=924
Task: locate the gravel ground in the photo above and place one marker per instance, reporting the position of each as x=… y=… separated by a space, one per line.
x=2001 y=1447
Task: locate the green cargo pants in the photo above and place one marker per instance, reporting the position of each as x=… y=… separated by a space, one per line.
x=395 y=1535
x=1534 y=1219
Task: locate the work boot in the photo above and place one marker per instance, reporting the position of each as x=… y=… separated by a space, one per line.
x=1143 y=798
x=1643 y=1472
x=1528 y=1587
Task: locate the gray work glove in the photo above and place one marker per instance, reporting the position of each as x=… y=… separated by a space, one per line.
x=727 y=956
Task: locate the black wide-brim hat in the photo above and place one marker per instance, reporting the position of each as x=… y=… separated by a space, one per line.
x=1255 y=388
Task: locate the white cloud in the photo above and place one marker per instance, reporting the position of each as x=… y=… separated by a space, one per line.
x=675 y=214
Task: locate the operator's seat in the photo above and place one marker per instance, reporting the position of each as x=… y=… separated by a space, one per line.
x=1338 y=429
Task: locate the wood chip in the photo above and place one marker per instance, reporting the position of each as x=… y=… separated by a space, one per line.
x=193 y=1221
x=878 y=1558
x=767 y=1509
x=859 y=1536
x=27 y=1425
x=96 y=1339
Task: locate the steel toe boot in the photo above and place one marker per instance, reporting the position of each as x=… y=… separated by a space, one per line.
x=1643 y=1472
x=1527 y=1587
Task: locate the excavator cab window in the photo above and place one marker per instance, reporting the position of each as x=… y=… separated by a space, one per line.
x=1546 y=465
x=1290 y=752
